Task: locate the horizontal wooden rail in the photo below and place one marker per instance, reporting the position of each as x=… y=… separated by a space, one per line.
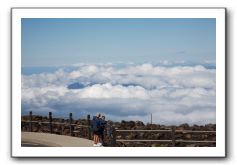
x=193 y=141
x=118 y=130
x=23 y=121
x=190 y=131
x=180 y=141
x=79 y=126
x=47 y=122
x=137 y=140
x=178 y=131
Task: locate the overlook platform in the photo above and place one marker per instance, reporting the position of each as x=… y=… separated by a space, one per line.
x=31 y=139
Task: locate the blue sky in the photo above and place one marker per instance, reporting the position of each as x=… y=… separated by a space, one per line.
x=53 y=42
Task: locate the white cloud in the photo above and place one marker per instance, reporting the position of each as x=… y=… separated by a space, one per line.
x=108 y=91
x=174 y=95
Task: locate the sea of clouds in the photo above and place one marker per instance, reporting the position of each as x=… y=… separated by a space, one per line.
x=172 y=94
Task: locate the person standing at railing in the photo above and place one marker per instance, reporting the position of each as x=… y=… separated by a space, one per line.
x=96 y=129
x=102 y=130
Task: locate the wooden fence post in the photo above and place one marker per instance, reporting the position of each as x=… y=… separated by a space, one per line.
x=50 y=122
x=113 y=137
x=89 y=126
x=30 y=121
x=71 y=126
x=173 y=136
x=62 y=126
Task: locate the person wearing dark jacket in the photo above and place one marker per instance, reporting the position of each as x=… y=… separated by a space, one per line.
x=96 y=130
x=102 y=130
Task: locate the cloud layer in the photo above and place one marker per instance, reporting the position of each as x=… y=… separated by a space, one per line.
x=173 y=95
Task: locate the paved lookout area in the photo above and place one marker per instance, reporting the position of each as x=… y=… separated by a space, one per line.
x=52 y=140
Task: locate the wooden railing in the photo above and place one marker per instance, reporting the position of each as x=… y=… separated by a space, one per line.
x=172 y=131
x=73 y=128
x=77 y=129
